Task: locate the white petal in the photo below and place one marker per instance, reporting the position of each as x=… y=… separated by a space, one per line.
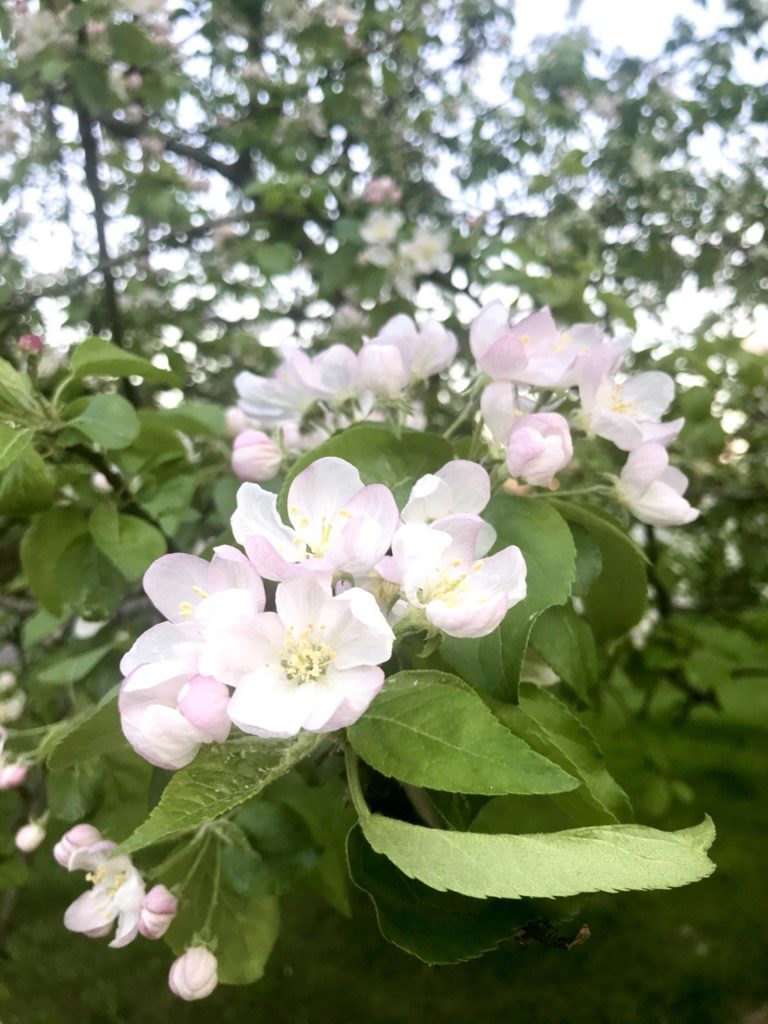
x=256 y=516
x=176 y=583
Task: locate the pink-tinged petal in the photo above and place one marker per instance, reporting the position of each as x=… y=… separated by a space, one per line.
x=175 y=584
x=156 y=681
x=486 y=328
x=499 y=408
x=127 y=930
x=256 y=516
x=91 y=910
x=661 y=505
x=435 y=349
x=661 y=433
x=90 y=858
x=318 y=494
x=399 y=330
x=652 y=393
x=237 y=640
x=161 y=735
x=470 y=486
x=505 y=359
x=469 y=534
x=342 y=697
x=538 y=447
x=255 y=456
x=270 y=564
x=467 y=619
x=383 y=371
x=370 y=520
x=232 y=570
x=301 y=602
x=203 y=701
x=503 y=573
x=644 y=465
x=673 y=478
x=266 y=704
x=356 y=630
x=622 y=431
x=167 y=641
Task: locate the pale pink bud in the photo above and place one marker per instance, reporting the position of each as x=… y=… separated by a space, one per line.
x=12 y=775
x=157 y=911
x=193 y=975
x=100 y=483
x=29 y=837
x=255 y=456
x=78 y=838
x=133 y=80
x=32 y=344
x=382 y=190
x=538 y=447
x=235 y=421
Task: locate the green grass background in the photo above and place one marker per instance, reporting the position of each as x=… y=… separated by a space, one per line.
x=697 y=955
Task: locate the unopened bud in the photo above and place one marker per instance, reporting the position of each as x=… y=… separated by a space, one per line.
x=32 y=344
x=193 y=975
x=255 y=456
x=77 y=838
x=157 y=911
x=12 y=775
x=7 y=681
x=29 y=837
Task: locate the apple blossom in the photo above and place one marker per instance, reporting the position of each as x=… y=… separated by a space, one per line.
x=255 y=456
x=29 y=837
x=193 y=975
x=77 y=838
x=337 y=524
x=235 y=421
x=116 y=896
x=531 y=351
x=158 y=910
x=628 y=413
x=380 y=228
x=422 y=353
x=283 y=396
x=447 y=581
x=382 y=190
x=653 y=490
x=12 y=775
x=460 y=486
x=427 y=251
x=311 y=664
x=538 y=447
x=32 y=344
x=13 y=708
x=7 y=680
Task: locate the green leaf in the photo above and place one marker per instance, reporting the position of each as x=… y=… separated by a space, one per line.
x=589 y=560
x=607 y=858
x=197 y=419
x=13 y=444
x=17 y=400
x=109 y=421
x=439 y=928
x=129 y=542
x=381 y=456
x=26 y=486
x=492 y=664
x=243 y=929
x=88 y=582
x=277 y=849
x=427 y=729
x=547 y=725
x=565 y=642
x=221 y=777
x=42 y=546
x=618 y=597
x=92 y=732
x=67 y=668
x=96 y=357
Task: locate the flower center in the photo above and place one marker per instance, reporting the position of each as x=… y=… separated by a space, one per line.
x=448 y=585
x=187 y=608
x=304 y=659
x=618 y=404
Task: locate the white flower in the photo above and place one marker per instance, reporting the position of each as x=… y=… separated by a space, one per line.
x=380 y=227
x=337 y=524
x=117 y=895
x=629 y=412
x=312 y=664
x=653 y=490
x=427 y=251
x=531 y=351
x=459 y=487
x=193 y=975
x=444 y=576
x=538 y=447
x=402 y=352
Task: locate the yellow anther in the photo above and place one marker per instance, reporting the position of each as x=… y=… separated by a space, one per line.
x=524 y=339
x=303 y=658
x=198 y=591
x=186 y=609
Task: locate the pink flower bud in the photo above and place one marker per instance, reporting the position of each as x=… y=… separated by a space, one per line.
x=133 y=80
x=79 y=837
x=32 y=344
x=255 y=456
x=235 y=421
x=383 y=370
x=29 y=837
x=157 y=911
x=382 y=190
x=538 y=447
x=193 y=975
x=12 y=775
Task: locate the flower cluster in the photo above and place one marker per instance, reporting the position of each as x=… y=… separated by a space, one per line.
x=309 y=397
x=536 y=369
x=349 y=567
x=425 y=251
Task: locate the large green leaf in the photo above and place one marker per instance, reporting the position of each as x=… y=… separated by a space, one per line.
x=547 y=725
x=492 y=663
x=17 y=399
x=242 y=927
x=13 y=444
x=26 y=486
x=427 y=729
x=565 y=642
x=42 y=545
x=618 y=597
x=607 y=858
x=99 y=358
x=437 y=927
x=129 y=542
x=221 y=777
x=90 y=733
x=71 y=664
x=109 y=421
x=381 y=456
x=88 y=581
x=272 y=849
